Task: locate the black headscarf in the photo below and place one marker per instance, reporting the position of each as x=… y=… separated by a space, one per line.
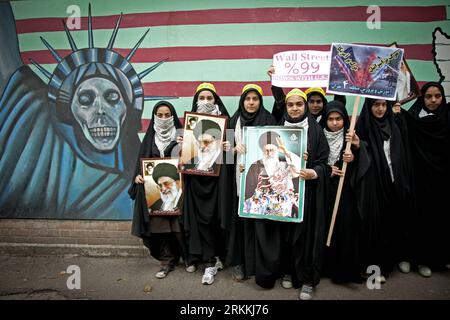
x=217 y=101
x=314 y=93
x=335 y=106
x=369 y=125
x=324 y=101
x=432 y=130
x=261 y=117
x=420 y=103
x=375 y=131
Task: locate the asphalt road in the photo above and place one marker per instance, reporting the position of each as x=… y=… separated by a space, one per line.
x=46 y=278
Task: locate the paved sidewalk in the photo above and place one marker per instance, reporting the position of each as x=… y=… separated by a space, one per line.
x=45 y=277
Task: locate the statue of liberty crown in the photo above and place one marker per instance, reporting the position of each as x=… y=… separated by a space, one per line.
x=106 y=56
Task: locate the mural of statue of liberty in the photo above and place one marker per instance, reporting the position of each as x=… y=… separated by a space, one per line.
x=68 y=148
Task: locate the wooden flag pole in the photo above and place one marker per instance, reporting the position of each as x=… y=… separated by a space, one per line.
x=344 y=168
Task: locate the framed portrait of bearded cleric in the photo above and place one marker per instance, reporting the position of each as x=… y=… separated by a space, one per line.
x=270 y=186
x=162 y=184
x=202 y=151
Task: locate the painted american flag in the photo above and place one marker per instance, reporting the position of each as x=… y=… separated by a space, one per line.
x=229 y=43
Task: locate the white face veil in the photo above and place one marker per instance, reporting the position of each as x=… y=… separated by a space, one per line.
x=164 y=132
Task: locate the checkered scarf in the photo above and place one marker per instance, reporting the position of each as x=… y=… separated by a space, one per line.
x=335 y=142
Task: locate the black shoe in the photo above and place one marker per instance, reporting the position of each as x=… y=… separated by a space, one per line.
x=238 y=273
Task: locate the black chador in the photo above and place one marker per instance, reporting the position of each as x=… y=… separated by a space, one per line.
x=206 y=205
x=248 y=240
x=304 y=242
x=342 y=263
x=429 y=134
x=163 y=236
x=385 y=195
x=296 y=249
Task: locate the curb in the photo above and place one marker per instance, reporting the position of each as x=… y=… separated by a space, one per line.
x=39 y=249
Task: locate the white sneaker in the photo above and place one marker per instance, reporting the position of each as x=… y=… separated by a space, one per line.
x=219 y=264
x=286 y=282
x=425 y=271
x=306 y=293
x=164 y=271
x=161 y=275
x=208 y=276
x=191 y=268
x=380 y=279
x=404 y=267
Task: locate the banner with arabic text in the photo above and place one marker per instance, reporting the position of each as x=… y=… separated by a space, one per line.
x=368 y=71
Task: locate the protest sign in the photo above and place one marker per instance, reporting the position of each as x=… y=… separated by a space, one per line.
x=301 y=69
x=367 y=71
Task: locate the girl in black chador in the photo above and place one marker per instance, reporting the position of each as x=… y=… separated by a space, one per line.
x=385 y=197
x=428 y=122
x=163 y=236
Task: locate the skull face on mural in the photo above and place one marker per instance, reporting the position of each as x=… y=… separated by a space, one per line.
x=98 y=98
x=100 y=110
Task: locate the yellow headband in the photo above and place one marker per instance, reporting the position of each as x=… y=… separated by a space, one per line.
x=206 y=85
x=296 y=92
x=318 y=90
x=254 y=87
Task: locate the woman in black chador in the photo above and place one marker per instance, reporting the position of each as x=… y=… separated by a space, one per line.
x=163 y=236
x=385 y=197
x=303 y=243
x=342 y=263
x=206 y=204
x=243 y=254
x=429 y=132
